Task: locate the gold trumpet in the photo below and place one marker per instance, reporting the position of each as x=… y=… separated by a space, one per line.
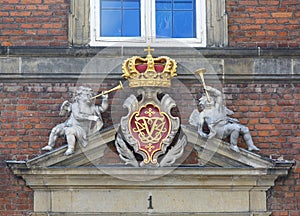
x=201 y=72
x=120 y=86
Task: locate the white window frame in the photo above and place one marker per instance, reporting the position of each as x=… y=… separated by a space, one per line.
x=148 y=27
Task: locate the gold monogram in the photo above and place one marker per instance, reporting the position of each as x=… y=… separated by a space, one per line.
x=150 y=130
x=149 y=127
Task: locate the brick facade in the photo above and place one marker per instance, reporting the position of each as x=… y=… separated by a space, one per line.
x=34 y=22
x=29 y=111
x=251 y=23
x=264 y=23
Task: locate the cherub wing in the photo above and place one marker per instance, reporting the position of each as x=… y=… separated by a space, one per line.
x=194 y=118
x=65 y=108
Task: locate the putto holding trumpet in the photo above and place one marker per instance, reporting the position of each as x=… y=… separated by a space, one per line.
x=215 y=115
x=84 y=118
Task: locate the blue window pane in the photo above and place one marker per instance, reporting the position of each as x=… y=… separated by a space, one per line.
x=183 y=4
x=175 y=18
x=164 y=24
x=163 y=5
x=110 y=4
x=182 y=24
x=111 y=23
x=131 y=4
x=120 y=18
x=131 y=23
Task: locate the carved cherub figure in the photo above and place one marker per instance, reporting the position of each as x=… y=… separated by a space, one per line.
x=85 y=117
x=214 y=115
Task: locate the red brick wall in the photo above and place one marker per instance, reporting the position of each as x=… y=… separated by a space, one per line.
x=252 y=23
x=272 y=113
x=30 y=110
x=33 y=22
x=264 y=23
x=27 y=113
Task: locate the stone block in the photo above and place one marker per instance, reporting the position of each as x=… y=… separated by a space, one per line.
x=53 y=65
x=274 y=66
x=137 y=200
x=61 y=201
x=296 y=66
x=258 y=200
x=9 y=65
x=238 y=67
x=42 y=201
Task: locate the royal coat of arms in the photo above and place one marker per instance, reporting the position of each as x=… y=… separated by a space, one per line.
x=149 y=130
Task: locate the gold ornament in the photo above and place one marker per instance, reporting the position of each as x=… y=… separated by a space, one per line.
x=149 y=71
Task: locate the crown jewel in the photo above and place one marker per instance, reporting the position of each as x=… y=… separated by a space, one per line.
x=149 y=71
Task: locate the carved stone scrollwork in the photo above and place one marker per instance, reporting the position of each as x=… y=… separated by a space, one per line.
x=149 y=129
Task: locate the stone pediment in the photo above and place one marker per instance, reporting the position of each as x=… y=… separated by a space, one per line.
x=225 y=182
x=211 y=153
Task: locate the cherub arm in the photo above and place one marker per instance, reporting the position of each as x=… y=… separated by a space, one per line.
x=218 y=96
x=197 y=120
x=104 y=104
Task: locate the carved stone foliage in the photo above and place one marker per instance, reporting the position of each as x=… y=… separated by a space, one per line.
x=149 y=130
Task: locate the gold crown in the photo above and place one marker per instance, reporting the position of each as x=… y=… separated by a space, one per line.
x=149 y=71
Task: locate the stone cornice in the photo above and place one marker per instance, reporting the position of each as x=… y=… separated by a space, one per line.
x=85 y=51
x=108 y=65
x=127 y=177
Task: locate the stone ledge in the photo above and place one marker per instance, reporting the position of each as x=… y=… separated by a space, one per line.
x=154 y=214
x=57 y=69
x=92 y=51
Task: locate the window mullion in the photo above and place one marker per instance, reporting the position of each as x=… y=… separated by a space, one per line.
x=153 y=21
x=143 y=19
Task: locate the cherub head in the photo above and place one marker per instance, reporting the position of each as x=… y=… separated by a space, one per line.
x=204 y=103
x=84 y=94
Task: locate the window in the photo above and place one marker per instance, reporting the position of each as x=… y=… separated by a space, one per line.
x=136 y=22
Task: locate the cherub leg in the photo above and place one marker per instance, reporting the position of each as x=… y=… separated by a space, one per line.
x=71 y=139
x=233 y=131
x=248 y=138
x=234 y=140
x=56 y=132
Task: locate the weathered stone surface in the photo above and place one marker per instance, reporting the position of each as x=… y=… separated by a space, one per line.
x=217 y=24
x=213 y=66
x=53 y=65
x=296 y=66
x=278 y=66
x=71 y=185
x=136 y=200
x=238 y=67
x=10 y=65
x=79 y=27
x=194 y=190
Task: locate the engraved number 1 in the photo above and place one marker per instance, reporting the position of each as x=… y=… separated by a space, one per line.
x=150 y=202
